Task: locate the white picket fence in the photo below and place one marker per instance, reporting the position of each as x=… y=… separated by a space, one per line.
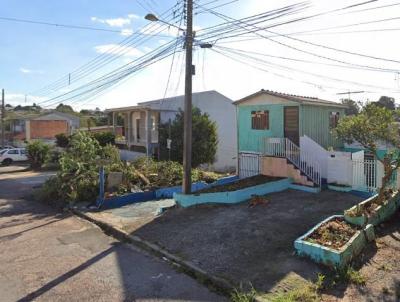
x=249 y=164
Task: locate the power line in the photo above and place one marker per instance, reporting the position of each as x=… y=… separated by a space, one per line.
x=113 y=54
x=58 y=24
x=257 y=29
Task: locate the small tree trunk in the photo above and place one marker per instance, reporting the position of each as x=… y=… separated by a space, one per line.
x=388 y=172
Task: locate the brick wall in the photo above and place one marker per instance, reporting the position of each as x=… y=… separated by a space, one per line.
x=47 y=129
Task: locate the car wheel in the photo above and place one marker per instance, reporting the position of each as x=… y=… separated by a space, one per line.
x=7 y=161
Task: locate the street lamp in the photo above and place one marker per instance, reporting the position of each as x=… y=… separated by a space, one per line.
x=154 y=18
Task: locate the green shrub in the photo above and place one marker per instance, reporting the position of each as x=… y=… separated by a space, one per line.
x=37 y=153
x=62 y=140
x=105 y=138
x=77 y=179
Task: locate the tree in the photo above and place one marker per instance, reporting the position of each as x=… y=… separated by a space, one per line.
x=374 y=125
x=38 y=153
x=64 y=108
x=353 y=107
x=386 y=102
x=62 y=140
x=105 y=138
x=205 y=139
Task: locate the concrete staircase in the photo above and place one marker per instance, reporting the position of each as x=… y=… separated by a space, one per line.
x=280 y=167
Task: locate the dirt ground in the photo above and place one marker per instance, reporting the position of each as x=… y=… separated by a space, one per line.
x=248 y=244
x=380 y=265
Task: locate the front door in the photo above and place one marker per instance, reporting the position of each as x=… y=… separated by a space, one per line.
x=291 y=123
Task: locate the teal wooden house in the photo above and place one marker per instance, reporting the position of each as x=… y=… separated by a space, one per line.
x=278 y=115
x=287 y=136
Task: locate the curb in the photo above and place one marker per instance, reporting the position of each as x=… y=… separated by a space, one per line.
x=215 y=284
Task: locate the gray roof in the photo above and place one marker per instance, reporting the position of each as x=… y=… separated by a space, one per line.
x=156 y=104
x=291 y=97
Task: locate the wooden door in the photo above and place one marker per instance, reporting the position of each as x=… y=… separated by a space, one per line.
x=291 y=123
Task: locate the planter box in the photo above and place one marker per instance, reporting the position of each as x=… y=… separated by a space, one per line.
x=169 y=192
x=232 y=196
x=332 y=257
x=381 y=214
x=339 y=188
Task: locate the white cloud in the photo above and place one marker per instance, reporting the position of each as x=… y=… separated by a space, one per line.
x=116 y=22
x=133 y=16
x=117 y=49
x=126 y=32
x=147 y=49
x=27 y=70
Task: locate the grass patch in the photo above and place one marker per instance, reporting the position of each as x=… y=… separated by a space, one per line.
x=240 y=295
x=349 y=275
x=303 y=294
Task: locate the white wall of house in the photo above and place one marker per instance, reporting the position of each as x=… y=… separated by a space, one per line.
x=221 y=110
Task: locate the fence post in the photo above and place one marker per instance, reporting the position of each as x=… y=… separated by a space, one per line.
x=100 y=198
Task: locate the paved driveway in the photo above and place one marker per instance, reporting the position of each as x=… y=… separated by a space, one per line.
x=248 y=245
x=51 y=256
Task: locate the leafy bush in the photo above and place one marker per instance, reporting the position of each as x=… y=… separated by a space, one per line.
x=38 y=153
x=79 y=166
x=62 y=140
x=105 y=138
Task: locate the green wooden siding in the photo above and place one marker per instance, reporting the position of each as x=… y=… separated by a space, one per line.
x=315 y=124
x=250 y=139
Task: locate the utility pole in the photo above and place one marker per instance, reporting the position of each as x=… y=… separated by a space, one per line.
x=187 y=134
x=3 y=111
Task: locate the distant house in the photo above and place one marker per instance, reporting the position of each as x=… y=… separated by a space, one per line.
x=142 y=122
x=42 y=127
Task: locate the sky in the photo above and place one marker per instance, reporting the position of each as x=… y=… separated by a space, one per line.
x=35 y=55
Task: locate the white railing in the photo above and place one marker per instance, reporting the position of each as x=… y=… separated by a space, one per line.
x=283 y=147
x=365 y=175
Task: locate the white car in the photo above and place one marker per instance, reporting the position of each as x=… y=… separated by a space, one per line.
x=7 y=156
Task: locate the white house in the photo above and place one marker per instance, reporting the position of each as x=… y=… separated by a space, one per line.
x=141 y=124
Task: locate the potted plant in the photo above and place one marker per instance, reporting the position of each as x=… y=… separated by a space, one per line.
x=372 y=126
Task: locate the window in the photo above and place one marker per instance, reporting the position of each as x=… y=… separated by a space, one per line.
x=333 y=119
x=260 y=120
x=23 y=151
x=14 y=151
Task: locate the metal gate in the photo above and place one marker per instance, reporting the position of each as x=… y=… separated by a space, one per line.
x=249 y=164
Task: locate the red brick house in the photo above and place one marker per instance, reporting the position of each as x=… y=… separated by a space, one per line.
x=42 y=127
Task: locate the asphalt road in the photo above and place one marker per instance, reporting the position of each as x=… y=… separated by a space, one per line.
x=50 y=256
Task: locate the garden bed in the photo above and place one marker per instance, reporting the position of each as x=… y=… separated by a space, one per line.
x=236 y=192
x=240 y=184
x=334 y=242
x=369 y=212
x=339 y=187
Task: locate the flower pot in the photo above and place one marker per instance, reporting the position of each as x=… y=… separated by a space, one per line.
x=334 y=257
x=379 y=215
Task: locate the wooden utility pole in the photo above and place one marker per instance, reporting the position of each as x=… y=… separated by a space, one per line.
x=3 y=112
x=187 y=134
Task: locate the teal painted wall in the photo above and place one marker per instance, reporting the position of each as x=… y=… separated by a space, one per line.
x=314 y=122
x=250 y=139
